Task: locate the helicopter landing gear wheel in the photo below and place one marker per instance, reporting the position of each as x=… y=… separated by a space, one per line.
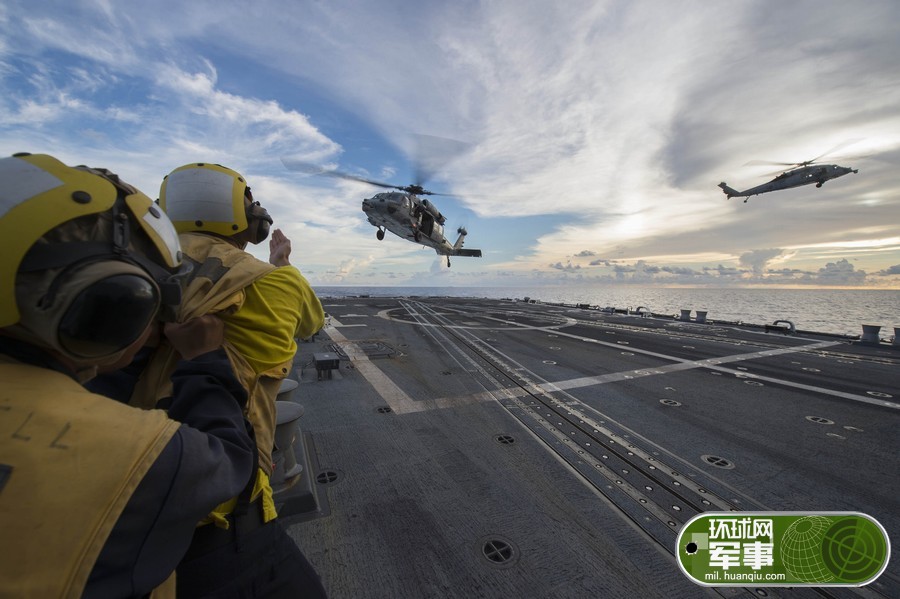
x=819 y=184
x=379 y=234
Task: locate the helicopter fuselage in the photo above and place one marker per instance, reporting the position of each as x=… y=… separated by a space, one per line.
x=410 y=217
x=805 y=175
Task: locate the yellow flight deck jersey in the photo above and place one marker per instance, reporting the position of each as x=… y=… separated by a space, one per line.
x=264 y=308
x=278 y=307
x=260 y=332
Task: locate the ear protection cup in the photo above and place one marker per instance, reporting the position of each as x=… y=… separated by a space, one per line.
x=93 y=310
x=259 y=222
x=108 y=315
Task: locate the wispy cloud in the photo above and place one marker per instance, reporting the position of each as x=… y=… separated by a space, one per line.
x=615 y=119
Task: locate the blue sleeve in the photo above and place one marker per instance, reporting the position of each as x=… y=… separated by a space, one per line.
x=208 y=461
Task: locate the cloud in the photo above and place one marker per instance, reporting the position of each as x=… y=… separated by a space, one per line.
x=757 y=260
x=841 y=272
x=568 y=267
x=891 y=270
x=240 y=125
x=601 y=262
x=607 y=142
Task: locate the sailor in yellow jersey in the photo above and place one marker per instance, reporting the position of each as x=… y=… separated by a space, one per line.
x=99 y=499
x=265 y=307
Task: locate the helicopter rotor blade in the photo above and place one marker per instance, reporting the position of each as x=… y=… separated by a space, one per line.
x=433 y=153
x=314 y=169
x=841 y=145
x=770 y=163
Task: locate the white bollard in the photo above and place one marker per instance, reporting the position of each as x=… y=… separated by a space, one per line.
x=870 y=333
x=701 y=316
x=686 y=315
x=896 y=342
x=287 y=429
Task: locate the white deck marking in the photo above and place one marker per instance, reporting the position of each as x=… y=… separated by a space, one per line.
x=712 y=364
x=334 y=322
x=395 y=397
x=402 y=403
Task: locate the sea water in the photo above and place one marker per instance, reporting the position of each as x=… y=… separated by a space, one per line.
x=839 y=311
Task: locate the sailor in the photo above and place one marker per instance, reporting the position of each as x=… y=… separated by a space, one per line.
x=265 y=307
x=99 y=499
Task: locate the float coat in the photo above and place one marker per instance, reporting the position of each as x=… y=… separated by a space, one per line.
x=51 y=430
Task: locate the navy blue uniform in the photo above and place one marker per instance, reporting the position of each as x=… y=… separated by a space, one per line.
x=208 y=460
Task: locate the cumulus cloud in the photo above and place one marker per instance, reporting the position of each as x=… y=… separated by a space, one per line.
x=756 y=260
x=841 y=272
x=891 y=270
x=569 y=267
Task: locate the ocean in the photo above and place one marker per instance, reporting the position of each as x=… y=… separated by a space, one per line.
x=838 y=311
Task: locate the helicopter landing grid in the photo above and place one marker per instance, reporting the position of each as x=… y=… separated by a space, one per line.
x=529 y=450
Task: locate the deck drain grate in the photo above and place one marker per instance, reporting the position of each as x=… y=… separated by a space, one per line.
x=670 y=402
x=499 y=552
x=371 y=349
x=505 y=439
x=327 y=477
x=819 y=420
x=384 y=410
x=718 y=462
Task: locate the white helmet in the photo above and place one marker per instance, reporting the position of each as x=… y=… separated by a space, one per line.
x=211 y=198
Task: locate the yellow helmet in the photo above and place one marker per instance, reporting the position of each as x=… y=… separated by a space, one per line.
x=87 y=260
x=208 y=198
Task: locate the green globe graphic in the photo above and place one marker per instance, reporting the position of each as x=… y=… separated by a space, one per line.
x=801 y=549
x=854 y=549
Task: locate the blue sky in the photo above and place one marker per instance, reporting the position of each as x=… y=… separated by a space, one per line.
x=598 y=131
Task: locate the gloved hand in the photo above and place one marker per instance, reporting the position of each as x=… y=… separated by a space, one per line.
x=196 y=336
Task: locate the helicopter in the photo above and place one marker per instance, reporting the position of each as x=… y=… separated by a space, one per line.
x=402 y=212
x=800 y=173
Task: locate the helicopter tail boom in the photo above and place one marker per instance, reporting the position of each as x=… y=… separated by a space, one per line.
x=728 y=190
x=458 y=246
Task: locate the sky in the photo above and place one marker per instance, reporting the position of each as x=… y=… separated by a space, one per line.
x=595 y=132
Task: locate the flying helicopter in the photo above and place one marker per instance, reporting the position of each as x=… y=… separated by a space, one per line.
x=402 y=212
x=800 y=173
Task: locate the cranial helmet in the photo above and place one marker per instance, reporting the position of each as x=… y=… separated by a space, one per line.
x=88 y=261
x=213 y=199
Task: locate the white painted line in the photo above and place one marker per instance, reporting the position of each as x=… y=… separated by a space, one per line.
x=334 y=322
x=395 y=397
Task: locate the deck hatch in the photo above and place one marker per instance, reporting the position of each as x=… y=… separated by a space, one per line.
x=717 y=461
x=327 y=477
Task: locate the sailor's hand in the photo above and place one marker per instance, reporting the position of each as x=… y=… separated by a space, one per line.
x=279 y=249
x=196 y=336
